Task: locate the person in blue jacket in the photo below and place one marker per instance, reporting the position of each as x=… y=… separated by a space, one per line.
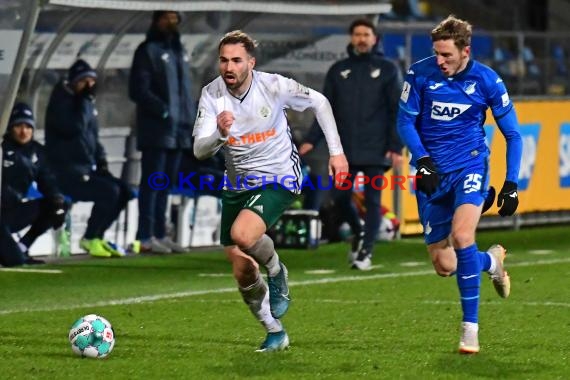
x=78 y=158
x=363 y=90
x=23 y=165
x=442 y=112
x=160 y=87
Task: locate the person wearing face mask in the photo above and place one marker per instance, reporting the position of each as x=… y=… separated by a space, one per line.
x=363 y=90
x=78 y=158
x=160 y=86
x=24 y=163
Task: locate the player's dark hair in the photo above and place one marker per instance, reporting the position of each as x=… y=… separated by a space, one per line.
x=361 y=22
x=455 y=29
x=238 y=37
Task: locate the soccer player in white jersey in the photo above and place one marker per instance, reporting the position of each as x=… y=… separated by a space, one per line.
x=243 y=112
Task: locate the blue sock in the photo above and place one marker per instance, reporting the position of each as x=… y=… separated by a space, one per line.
x=485 y=261
x=468 y=281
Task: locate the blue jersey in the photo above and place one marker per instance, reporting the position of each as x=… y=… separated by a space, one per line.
x=450 y=111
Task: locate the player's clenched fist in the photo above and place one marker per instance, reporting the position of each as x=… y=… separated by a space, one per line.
x=225 y=121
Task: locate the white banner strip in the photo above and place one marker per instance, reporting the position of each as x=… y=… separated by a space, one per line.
x=232 y=6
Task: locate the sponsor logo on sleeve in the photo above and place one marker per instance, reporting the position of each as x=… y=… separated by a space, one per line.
x=302 y=90
x=505 y=99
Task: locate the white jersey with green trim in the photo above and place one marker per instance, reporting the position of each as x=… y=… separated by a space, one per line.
x=259 y=149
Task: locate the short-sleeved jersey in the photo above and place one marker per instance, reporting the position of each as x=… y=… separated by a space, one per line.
x=260 y=145
x=451 y=110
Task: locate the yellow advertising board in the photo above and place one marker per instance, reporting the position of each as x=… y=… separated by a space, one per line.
x=544 y=178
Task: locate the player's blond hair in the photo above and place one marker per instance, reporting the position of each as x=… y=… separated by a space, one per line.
x=239 y=37
x=453 y=28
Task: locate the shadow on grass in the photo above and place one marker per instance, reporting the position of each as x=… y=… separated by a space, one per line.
x=487 y=366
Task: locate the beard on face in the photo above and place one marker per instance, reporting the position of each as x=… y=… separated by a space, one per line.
x=172 y=28
x=237 y=81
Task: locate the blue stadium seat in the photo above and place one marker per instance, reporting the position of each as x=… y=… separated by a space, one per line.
x=532 y=68
x=482 y=48
x=34 y=193
x=559 y=58
x=502 y=63
x=393 y=45
x=421 y=47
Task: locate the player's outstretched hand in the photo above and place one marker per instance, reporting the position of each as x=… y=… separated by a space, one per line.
x=427 y=178
x=508 y=199
x=338 y=168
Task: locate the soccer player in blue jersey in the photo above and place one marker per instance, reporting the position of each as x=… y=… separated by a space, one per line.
x=441 y=117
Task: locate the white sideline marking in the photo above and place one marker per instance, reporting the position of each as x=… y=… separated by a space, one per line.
x=540 y=251
x=412 y=264
x=30 y=270
x=320 y=271
x=191 y=293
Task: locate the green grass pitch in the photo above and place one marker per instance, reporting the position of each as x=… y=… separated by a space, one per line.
x=181 y=317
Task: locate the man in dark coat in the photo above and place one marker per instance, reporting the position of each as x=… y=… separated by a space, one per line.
x=363 y=90
x=160 y=87
x=78 y=158
x=24 y=164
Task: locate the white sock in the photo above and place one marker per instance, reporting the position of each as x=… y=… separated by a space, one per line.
x=256 y=297
x=493 y=267
x=471 y=326
x=23 y=248
x=271 y=324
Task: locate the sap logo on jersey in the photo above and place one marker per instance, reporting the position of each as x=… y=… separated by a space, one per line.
x=447 y=111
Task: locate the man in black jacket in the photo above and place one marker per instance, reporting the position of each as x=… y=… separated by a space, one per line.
x=363 y=90
x=160 y=87
x=23 y=164
x=78 y=158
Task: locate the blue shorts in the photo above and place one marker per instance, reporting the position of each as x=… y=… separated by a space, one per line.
x=465 y=186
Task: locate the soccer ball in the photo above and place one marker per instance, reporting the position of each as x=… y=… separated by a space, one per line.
x=92 y=336
x=389 y=226
x=387 y=232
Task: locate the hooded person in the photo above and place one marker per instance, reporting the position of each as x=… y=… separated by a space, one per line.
x=159 y=84
x=24 y=167
x=79 y=159
x=77 y=73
